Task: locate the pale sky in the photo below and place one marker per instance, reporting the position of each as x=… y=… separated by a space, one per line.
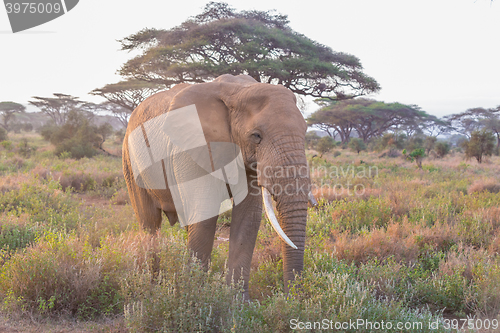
x=443 y=55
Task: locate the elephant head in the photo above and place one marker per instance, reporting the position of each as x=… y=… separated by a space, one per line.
x=254 y=127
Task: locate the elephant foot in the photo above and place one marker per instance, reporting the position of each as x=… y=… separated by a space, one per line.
x=246 y=297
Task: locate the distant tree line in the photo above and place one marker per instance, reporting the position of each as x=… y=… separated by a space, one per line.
x=363 y=123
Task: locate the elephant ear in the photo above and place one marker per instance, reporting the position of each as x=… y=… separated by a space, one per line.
x=213 y=101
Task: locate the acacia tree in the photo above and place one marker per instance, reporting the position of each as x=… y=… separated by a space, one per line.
x=434 y=126
x=8 y=111
x=221 y=40
x=128 y=94
x=121 y=113
x=334 y=121
x=476 y=119
x=369 y=118
x=59 y=107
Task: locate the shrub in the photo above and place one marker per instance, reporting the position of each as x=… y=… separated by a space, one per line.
x=417 y=155
x=357 y=145
x=311 y=139
x=390 y=141
x=481 y=143
x=119 y=136
x=442 y=148
x=77 y=136
x=25 y=149
x=324 y=145
x=429 y=143
x=415 y=142
x=3 y=134
x=7 y=145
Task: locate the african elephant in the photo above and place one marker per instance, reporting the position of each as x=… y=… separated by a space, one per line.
x=236 y=143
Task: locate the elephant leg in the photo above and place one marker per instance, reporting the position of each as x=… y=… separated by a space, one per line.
x=148 y=215
x=201 y=239
x=245 y=224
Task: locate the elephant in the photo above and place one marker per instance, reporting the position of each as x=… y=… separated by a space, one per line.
x=236 y=143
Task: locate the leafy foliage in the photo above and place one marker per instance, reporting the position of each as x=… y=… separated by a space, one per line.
x=77 y=136
x=3 y=135
x=357 y=145
x=7 y=111
x=311 y=139
x=325 y=144
x=58 y=108
x=481 y=143
x=369 y=118
x=416 y=155
x=476 y=119
x=258 y=43
x=442 y=148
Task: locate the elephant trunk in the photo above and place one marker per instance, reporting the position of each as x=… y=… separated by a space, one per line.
x=292 y=214
x=291 y=196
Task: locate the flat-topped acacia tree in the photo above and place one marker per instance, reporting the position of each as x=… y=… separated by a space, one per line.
x=221 y=40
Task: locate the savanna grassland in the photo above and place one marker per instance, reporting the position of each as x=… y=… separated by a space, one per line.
x=388 y=242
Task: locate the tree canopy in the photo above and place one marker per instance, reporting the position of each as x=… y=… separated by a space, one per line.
x=7 y=110
x=128 y=94
x=59 y=107
x=369 y=118
x=221 y=40
x=476 y=119
x=480 y=143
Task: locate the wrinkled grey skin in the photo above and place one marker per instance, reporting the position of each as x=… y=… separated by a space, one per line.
x=263 y=120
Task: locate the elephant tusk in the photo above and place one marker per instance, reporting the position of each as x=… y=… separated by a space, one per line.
x=312 y=199
x=268 y=206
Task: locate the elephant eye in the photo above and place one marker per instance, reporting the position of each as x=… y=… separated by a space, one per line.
x=256 y=137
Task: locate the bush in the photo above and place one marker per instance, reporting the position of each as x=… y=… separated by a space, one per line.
x=25 y=149
x=441 y=148
x=311 y=139
x=481 y=143
x=7 y=145
x=3 y=134
x=357 y=145
x=324 y=145
x=415 y=142
x=429 y=143
x=417 y=155
x=77 y=136
x=389 y=141
x=62 y=275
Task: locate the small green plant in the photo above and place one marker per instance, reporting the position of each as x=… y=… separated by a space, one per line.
x=7 y=145
x=65 y=155
x=417 y=155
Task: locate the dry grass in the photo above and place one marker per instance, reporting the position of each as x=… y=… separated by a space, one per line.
x=488 y=185
x=401 y=241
